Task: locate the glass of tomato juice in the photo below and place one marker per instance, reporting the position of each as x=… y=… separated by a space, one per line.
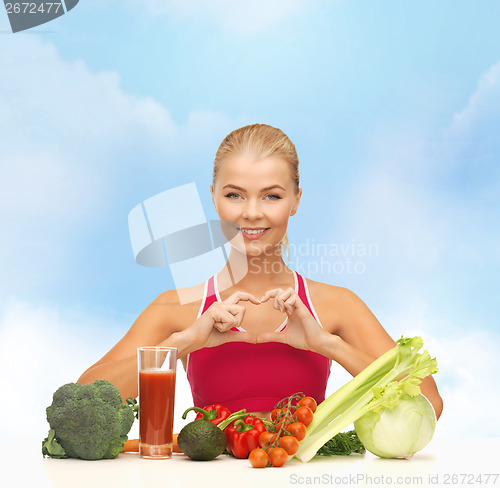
x=157 y=366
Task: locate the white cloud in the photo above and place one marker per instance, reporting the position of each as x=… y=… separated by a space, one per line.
x=59 y=136
x=431 y=203
x=469 y=149
x=65 y=145
x=44 y=347
x=468 y=361
x=240 y=17
x=73 y=142
x=483 y=106
x=420 y=195
x=391 y=205
x=428 y=200
x=70 y=140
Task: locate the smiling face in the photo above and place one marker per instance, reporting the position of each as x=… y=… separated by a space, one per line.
x=259 y=195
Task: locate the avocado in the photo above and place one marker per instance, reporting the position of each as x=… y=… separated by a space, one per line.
x=201 y=440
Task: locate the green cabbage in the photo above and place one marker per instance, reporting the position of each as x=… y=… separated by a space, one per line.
x=399 y=432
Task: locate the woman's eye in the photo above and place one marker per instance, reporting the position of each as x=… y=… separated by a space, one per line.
x=232 y=195
x=273 y=197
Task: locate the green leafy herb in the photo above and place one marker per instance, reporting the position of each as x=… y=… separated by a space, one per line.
x=52 y=448
x=132 y=403
x=343 y=444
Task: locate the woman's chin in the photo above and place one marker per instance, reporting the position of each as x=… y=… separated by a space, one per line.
x=253 y=249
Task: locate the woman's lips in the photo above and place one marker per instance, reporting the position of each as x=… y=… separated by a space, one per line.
x=253 y=233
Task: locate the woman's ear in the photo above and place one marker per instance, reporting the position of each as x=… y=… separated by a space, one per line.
x=213 y=197
x=296 y=203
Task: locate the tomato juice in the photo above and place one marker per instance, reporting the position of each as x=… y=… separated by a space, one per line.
x=156 y=411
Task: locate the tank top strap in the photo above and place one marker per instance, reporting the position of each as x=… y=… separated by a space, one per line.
x=303 y=292
x=209 y=296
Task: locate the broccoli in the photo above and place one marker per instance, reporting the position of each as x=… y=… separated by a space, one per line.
x=88 y=421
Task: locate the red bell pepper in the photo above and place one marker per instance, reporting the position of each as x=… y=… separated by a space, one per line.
x=243 y=435
x=216 y=413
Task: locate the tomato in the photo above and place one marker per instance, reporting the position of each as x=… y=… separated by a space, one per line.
x=278 y=413
x=298 y=430
x=290 y=444
x=266 y=438
x=285 y=424
x=308 y=402
x=278 y=456
x=304 y=415
x=258 y=458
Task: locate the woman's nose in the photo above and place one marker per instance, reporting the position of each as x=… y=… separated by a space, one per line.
x=252 y=210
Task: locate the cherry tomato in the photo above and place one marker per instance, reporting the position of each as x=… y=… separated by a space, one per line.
x=308 y=402
x=278 y=413
x=266 y=438
x=278 y=456
x=285 y=424
x=290 y=444
x=258 y=458
x=304 y=415
x=298 y=430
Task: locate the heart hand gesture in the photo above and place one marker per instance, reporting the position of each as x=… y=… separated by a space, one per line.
x=213 y=328
x=302 y=330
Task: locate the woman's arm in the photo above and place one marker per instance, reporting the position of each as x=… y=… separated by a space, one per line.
x=354 y=361
x=350 y=336
x=165 y=322
x=357 y=336
x=161 y=323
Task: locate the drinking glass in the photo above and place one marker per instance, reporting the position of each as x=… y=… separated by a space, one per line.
x=157 y=367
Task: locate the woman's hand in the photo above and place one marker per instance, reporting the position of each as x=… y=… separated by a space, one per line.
x=214 y=326
x=302 y=330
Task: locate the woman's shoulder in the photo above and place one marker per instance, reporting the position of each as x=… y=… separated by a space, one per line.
x=191 y=295
x=320 y=291
x=332 y=303
x=179 y=306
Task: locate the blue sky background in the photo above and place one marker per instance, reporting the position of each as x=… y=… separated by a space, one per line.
x=394 y=108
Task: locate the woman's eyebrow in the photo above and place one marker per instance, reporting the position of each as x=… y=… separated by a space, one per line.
x=267 y=188
x=234 y=187
x=272 y=187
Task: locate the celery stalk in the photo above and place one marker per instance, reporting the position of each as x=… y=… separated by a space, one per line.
x=319 y=423
x=378 y=385
x=345 y=395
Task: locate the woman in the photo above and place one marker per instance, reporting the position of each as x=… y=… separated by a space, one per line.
x=272 y=333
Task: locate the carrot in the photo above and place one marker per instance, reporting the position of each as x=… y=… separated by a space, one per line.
x=132 y=445
x=175 y=445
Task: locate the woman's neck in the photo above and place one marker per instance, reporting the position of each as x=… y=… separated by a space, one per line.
x=262 y=272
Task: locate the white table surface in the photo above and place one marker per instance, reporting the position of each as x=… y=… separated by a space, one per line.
x=444 y=462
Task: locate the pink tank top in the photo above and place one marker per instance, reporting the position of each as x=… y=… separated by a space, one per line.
x=237 y=374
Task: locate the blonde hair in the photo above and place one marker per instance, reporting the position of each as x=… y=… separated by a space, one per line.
x=262 y=141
